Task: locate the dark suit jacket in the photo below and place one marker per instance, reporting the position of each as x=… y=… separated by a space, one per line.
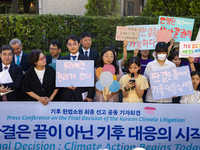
x=49 y=59
x=66 y=94
x=16 y=74
x=32 y=83
x=94 y=55
x=24 y=62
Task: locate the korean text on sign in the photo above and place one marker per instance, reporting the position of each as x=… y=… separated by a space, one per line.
x=170 y=83
x=188 y=49
x=127 y=34
x=181 y=28
x=79 y=73
x=147 y=37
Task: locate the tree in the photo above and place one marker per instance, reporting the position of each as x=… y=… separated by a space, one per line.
x=102 y=8
x=167 y=8
x=195 y=8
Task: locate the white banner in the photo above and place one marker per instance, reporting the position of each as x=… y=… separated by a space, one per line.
x=93 y=126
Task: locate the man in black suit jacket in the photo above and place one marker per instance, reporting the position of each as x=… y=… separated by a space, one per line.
x=86 y=41
x=75 y=93
x=55 y=49
x=16 y=73
x=19 y=58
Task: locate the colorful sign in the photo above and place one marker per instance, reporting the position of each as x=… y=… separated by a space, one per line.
x=79 y=73
x=126 y=34
x=171 y=82
x=181 y=28
x=94 y=126
x=188 y=49
x=147 y=37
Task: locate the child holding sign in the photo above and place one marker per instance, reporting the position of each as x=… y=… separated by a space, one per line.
x=133 y=83
x=194 y=98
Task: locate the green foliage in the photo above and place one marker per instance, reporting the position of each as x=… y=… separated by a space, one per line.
x=36 y=31
x=102 y=8
x=195 y=8
x=167 y=8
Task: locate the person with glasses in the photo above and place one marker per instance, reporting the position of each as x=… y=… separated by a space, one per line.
x=39 y=81
x=108 y=57
x=55 y=49
x=20 y=57
x=75 y=93
x=16 y=74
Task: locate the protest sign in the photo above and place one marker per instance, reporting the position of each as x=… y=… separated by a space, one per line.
x=190 y=48
x=171 y=82
x=147 y=37
x=181 y=28
x=94 y=126
x=126 y=34
x=79 y=73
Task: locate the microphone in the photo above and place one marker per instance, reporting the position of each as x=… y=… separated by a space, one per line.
x=132 y=80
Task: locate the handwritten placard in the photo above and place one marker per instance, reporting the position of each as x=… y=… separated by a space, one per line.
x=79 y=73
x=127 y=33
x=190 y=48
x=181 y=28
x=171 y=82
x=198 y=36
x=147 y=37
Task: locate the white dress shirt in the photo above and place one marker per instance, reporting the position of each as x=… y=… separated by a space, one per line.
x=88 y=54
x=74 y=55
x=20 y=57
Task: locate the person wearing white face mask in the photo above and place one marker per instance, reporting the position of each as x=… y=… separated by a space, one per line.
x=160 y=63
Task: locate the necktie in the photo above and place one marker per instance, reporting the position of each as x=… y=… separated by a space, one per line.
x=4 y=98
x=74 y=57
x=86 y=52
x=18 y=62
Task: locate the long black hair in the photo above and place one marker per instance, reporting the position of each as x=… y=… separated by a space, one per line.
x=100 y=62
x=196 y=73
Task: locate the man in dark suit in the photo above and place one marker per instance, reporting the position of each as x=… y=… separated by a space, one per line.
x=86 y=42
x=16 y=73
x=75 y=93
x=55 y=49
x=19 y=58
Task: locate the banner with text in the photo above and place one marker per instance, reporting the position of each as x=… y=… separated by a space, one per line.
x=147 y=37
x=181 y=28
x=79 y=73
x=126 y=34
x=171 y=82
x=190 y=48
x=94 y=126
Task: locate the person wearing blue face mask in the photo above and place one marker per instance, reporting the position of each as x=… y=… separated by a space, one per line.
x=160 y=63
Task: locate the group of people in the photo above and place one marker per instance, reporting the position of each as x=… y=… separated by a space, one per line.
x=34 y=78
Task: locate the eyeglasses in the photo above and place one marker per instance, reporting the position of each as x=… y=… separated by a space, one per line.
x=106 y=56
x=43 y=58
x=74 y=44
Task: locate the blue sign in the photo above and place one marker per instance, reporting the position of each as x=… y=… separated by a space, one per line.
x=147 y=37
x=181 y=28
x=94 y=126
x=171 y=82
x=76 y=73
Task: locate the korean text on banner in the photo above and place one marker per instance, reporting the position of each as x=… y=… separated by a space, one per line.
x=94 y=126
x=79 y=73
x=147 y=37
x=126 y=34
x=171 y=82
x=188 y=49
x=181 y=28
